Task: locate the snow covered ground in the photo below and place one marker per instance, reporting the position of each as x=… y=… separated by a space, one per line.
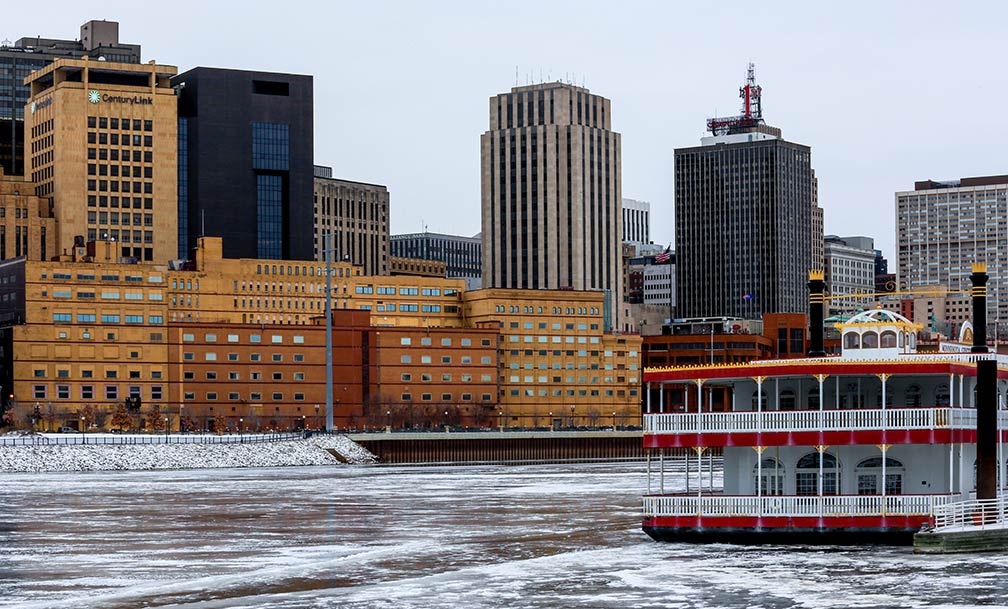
x=102 y=457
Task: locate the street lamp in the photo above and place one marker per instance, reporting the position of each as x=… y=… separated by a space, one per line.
x=82 y=428
x=552 y=428
x=241 y=424
x=388 y=420
x=500 y=418
x=181 y=410
x=316 y=417
x=614 y=420
x=166 y=429
x=446 y=419
x=572 y=416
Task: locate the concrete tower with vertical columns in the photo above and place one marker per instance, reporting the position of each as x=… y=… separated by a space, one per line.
x=551 y=193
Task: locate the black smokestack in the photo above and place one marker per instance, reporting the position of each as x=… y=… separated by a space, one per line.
x=979 y=279
x=987 y=412
x=817 y=290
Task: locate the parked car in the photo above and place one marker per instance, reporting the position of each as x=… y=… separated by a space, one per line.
x=67 y=430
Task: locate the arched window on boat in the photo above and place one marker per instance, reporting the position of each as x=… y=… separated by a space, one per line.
x=788 y=401
x=763 y=399
x=807 y=475
x=912 y=341
x=942 y=396
x=913 y=396
x=888 y=339
x=813 y=398
x=851 y=340
x=772 y=480
x=869 y=473
x=869 y=340
x=902 y=340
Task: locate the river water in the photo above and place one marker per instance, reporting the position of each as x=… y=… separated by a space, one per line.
x=388 y=537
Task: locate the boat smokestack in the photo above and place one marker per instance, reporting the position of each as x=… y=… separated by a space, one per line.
x=979 y=279
x=817 y=297
x=987 y=429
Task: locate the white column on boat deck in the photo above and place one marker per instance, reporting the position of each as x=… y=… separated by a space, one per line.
x=759 y=473
x=885 y=449
x=647 y=400
x=1000 y=452
x=710 y=470
x=661 y=397
x=836 y=393
x=661 y=471
x=822 y=449
x=951 y=431
x=776 y=388
x=649 y=472
x=963 y=488
x=699 y=470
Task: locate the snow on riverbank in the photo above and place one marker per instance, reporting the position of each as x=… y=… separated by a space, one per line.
x=77 y=458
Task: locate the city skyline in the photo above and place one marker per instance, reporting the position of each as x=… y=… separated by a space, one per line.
x=887 y=142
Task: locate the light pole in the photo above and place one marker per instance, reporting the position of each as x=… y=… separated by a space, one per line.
x=181 y=417
x=500 y=418
x=316 y=418
x=388 y=421
x=328 y=333
x=82 y=428
x=166 y=428
x=572 y=417
x=614 y=420
x=552 y=427
x=241 y=424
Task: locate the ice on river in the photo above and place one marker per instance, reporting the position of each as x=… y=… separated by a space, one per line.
x=412 y=537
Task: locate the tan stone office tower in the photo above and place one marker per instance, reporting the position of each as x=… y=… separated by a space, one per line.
x=102 y=147
x=551 y=193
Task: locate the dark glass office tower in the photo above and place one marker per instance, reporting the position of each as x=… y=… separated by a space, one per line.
x=246 y=171
x=744 y=218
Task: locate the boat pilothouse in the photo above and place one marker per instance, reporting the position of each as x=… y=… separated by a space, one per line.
x=860 y=448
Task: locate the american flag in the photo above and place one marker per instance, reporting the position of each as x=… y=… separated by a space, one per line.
x=664 y=257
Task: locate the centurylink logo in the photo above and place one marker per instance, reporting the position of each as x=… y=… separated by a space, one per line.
x=94 y=96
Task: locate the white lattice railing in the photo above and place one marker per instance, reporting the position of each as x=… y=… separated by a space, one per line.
x=813 y=420
x=972 y=514
x=792 y=505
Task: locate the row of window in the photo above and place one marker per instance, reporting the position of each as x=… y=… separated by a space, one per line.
x=211 y=375
x=427 y=377
x=540 y=310
x=189 y=356
x=570 y=340
x=112 y=154
x=445 y=359
x=87 y=373
x=568 y=379
x=87 y=392
x=105 y=277
x=445 y=397
x=426 y=341
x=104 y=122
x=234 y=396
x=275 y=339
x=107 y=318
x=530 y=393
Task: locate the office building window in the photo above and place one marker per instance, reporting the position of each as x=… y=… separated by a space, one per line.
x=269 y=205
x=270 y=146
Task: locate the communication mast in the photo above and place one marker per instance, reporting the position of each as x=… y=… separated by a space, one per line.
x=752 y=109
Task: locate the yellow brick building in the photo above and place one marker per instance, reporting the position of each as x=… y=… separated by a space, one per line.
x=101 y=142
x=27 y=226
x=99 y=331
x=557 y=365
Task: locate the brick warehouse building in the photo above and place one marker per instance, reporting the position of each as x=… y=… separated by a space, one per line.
x=93 y=332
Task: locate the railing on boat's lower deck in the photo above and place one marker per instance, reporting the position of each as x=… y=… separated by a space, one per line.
x=852 y=419
x=972 y=514
x=793 y=505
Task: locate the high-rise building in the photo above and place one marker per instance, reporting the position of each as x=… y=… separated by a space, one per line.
x=942 y=228
x=551 y=193
x=818 y=245
x=27 y=227
x=636 y=222
x=462 y=255
x=247 y=170
x=357 y=216
x=98 y=39
x=849 y=269
x=102 y=141
x=743 y=218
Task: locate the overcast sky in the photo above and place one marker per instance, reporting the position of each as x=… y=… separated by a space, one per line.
x=884 y=93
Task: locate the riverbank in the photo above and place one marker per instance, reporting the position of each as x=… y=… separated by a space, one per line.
x=318 y=450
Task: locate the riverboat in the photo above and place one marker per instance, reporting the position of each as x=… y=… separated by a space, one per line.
x=858 y=448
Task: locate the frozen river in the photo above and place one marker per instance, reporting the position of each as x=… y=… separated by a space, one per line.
x=384 y=537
